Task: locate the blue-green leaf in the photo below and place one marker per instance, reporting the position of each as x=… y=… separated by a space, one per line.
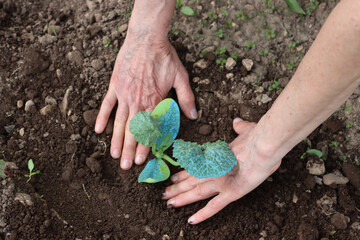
x=168 y=115
x=156 y=170
x=145 y=128
x=295 y=6
x=186 y=10
x=204 y=161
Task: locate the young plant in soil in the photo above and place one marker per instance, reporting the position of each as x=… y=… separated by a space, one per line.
x=158 y=130
x=31 y=168
x=2 y=169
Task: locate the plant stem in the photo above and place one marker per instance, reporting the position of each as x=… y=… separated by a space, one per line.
x=170 y=160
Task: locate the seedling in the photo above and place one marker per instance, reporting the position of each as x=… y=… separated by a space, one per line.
x=212 y=16
x=234 y=55
x=270 y=33
x=31 y=166
x=293 y=44
x=240 y=15
x=314 y=152
x=342 y=158
x=2 y=169
x=220 y=33
x=11 y=79
x=53 y=30
x=348 y=108
x=158 y=130
x=224 y=12
x=349 y=125
x=249 y=45
x=313 y=4
x=107 y=43
x=334 y=144
x=295 y=6
x=264 y=52
x=291 y=65
x=275 y=86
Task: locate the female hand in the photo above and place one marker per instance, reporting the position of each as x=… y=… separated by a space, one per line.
x=254 y=166
x=144 y=72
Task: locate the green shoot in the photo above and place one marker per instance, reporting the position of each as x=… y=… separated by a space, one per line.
x=224 y=13
x=313 y=4
x=348 y=108
x=11 y=79
x=107 y=43
x=249 y=45
x=275 y=85
x=31 y=168
x=220 y=33
x=264 y=52
x=240 y=15
x=53 y=30
x=349 y=125
x=212 y=16
x=188 y=11
x=291 y=65
x=270 y=33
x=315 y=152
x=234 y=56
x=2 y=169
x=342 y=158
x=334 y=144
x=295 y=6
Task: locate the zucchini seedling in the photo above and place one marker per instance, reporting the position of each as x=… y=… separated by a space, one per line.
x=158 y=130
x=31 y=166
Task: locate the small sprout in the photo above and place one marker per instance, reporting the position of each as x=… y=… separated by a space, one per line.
x=264 y=52
x=295 y=6
x=228 y=24
x=293 y=44
x=203 y=53
x=2 y=169
x=31 y=168
x=220 y=33
x=349 y=125
x=53 y=30
x=116 y=50
x=313 y=4
x=11 y=79
x=314 y=152
x=224 y=12
x=275 y=85
x=240 y=15
x=348 y=108
x=178 y=3
x=212 y=16
x=249 y=45
x=332 y=232
x=175 y=31
x=342 y=158
x=188 y=11
x=357 y=163
x=291 y=65
x=334 y=144
x=107 y=43
x=270 y=33
x=234 y=56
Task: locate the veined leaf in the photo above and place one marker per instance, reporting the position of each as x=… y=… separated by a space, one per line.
x=295 y=6
x=30 y=165
x=204 y=161
x=167 y=114
x=145 y=128
x=156 y=170
x=186 y=10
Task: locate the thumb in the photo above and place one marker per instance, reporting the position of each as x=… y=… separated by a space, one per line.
x=240 y=125
x=185 y=95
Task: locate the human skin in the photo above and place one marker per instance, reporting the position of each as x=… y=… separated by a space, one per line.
x=328 y=74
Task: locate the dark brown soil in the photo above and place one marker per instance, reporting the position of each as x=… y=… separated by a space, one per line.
x=82 y=193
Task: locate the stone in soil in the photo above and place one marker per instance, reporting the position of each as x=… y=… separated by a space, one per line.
x=352 y=172
x=76 y=58
x=230 y=63
x=93 y=164
x=205 y=130
x=28 y=105
x=202 y=63
x=339 y=221
x=307 y=232
x=97 y=64
x=9 y=128
x=248 y=64
x=335 y=178
x=90 y=117
x=24 y=198
x=46 y=110
x=315 y=166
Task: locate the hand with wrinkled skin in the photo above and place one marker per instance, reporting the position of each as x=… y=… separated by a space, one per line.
x=251 y=171
x=143 y=75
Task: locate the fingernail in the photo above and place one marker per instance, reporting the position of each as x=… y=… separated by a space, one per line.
x=174 y=178
x=170 y=206
x=171 y=202
x=126 y=164
x=191 y=220
x=164 y=195
x=193 y=113
x=139 y=159
x=115 y=153
x=237 y=120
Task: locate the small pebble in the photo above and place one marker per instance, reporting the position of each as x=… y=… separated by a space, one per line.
x=248 y=64
x=20 y=103
x=205 y=130
x=46 y=110
x=335 y=178
x=28 y=105
x=315 y=167
x=230 y=63
x=201 y=64
x=24 y=198
x=9 y=128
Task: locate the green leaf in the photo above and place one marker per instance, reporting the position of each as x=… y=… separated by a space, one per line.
x=204 y=161
x=188 y=11
x=30 y=165
x=167 y=113
x=145 y=128
x=315 y=152
x=2 y=169
x=295 y=6
x=156 y=170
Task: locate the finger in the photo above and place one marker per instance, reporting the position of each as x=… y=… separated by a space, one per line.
x=141 y=154
x=182 y=186
x=200 y=192
x=211 y=208
x=107 y=106
x=185 y=95
x=119 y=130
x=129 y=149
x=180 y=176
x=240 y=125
